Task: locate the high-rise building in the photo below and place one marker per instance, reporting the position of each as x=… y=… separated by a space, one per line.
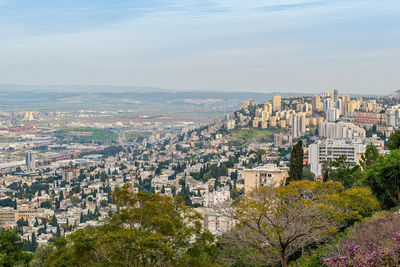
x=302 y=124
x=327 y=104
x=325 y=94
x=316 y=103
x=332 y=114
x=393 y=116
x=276 y=103
x=278 y=140
x=268 y=107
x=345 y=101
x=338 y=106
x=335 y=95
x=30 y=161
x=298 y=125
x=295 y=129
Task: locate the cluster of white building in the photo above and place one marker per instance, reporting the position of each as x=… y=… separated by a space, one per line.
x=340 y=130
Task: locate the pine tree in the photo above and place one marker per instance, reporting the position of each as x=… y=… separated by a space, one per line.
x=34 y=243
x=96 y=211
x=27 y=245
x=54 y=221
x=57 y=204
x=296 y=163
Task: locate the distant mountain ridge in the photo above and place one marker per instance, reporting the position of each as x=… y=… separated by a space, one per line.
x=125 y=89
x=79 y=88
x=121 y=97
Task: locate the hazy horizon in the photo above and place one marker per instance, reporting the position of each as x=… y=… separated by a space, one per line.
x=298 y=46
x=106 y=88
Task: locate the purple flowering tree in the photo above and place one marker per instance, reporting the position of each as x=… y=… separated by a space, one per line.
x=373 y=256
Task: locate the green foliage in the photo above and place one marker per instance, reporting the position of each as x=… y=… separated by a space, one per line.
x=11 y=250
x=210 y=171
x=296 y=163
x=369 y=158
x=341 y=171
x=7 y=202
x=103 y=136
x=46 y=204
x=308 y=174
x=394 y=140
x=147 y=230
x=41 y=254
x=384 y=179
x=136 y=135
x=111 y=151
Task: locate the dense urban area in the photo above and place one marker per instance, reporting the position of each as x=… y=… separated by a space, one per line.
x=299 y=181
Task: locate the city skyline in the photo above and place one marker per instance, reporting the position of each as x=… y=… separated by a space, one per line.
x=286 y=46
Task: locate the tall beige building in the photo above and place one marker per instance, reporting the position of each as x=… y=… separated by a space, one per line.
x=276 y=103
x=268 y=175
x=268 y=107
x=316 y=102
x=345 y=101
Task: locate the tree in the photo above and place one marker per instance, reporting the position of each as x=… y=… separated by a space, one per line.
x=147 y=230
x=57 y=204
x=296 y=163
x=11 y=250
x=378 y=230
x=41 y=254
x=368 y=159
x=374 y=255
x=384 y=179
x=223 y=170
x=46 y=204
x=34 y=243
x=274 y=222
x=340 y=170
x=54 y=221
x=394 y=140
x=308 y=174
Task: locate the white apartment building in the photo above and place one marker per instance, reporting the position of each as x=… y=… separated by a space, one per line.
x=214 y=221
x=216 y=197
x=298 y=125
x=393 y=116
x=328 y=150
x=332 y=114
x=340 y=130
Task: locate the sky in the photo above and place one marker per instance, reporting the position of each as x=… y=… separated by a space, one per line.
x=204 y=45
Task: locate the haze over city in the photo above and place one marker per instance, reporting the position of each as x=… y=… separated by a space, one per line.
x=201 y=133
x=216 y=45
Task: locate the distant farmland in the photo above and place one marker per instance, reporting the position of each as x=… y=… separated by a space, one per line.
x=87 y=135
